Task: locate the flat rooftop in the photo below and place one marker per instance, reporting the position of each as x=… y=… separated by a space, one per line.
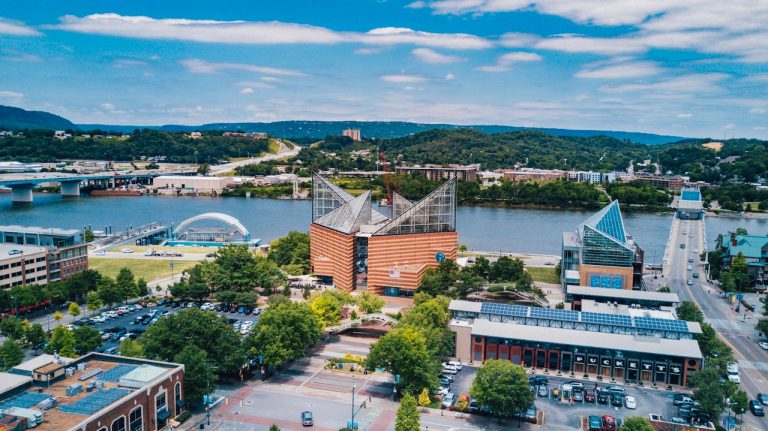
x=638 y=295
x=117 y=377
x=571 y=337
x=6 y=248
x=591 y=306
x=38 y=230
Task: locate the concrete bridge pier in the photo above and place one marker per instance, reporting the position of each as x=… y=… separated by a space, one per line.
x=21 y=193
x=70 y=188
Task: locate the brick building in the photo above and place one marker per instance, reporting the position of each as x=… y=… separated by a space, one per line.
x=353 y=246
x=438 y=172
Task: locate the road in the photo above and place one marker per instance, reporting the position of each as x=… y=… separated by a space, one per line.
x=736 y=329
x=283 y=152
x=141 y=256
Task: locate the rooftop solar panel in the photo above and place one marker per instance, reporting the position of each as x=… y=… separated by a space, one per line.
x=24 y=400
x=114 y=374
x=606 y=319
x=94 y=402
x=661 y=324
x=555 y=314
x=504 y=309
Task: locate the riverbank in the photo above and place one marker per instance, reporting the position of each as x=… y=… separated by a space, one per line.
x=733 y=214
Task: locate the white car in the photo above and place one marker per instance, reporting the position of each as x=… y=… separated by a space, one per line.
x=111 y=314
x=449 y=369
x=99 y=253
x=630 y=402
x=137 y=306
x=127 y=250
x=71 y=327
x=149 y=252
x=763 y=345
x=456 y=364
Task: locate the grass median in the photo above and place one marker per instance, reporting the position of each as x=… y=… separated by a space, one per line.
x=543 y=274
x=148 y=269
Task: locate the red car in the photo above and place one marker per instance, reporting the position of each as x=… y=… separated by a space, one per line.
x=589 y=395
x=609 y=423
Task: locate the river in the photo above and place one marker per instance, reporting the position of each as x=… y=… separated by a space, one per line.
x=480 y=228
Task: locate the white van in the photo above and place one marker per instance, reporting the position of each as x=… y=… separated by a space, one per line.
x=733 y=373
x=34 y=417
x=121 y=310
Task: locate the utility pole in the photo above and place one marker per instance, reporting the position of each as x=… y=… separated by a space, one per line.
x=352 y=423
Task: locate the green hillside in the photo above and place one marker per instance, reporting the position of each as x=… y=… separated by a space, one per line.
x=19 y=119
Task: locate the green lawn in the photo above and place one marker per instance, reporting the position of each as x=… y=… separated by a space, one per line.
x=148 y=269
x=544 y=274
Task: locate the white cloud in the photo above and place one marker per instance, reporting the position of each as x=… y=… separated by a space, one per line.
x=757 y=111
x=683 y=116
x=505 y=61
x=194 y=65
x=686 y=84
x=417 y=5
x=247 y=90
x=367 y=51
x=621 y=70
x=251 y=85
x=450 y=77
x=258 y=33
x=108 y=106
x=15 y=28
x=270 y=79
x=5 y=94
x=517 y=40
x=426 y=55
x=17 y=56
x=402 y=78
x=760 y=128
x=729 y=126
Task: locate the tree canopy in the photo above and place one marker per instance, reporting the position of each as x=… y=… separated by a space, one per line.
x=503 y=387
x=283 y=333
x=403 y=352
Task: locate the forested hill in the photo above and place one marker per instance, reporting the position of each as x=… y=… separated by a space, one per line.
x=382 y=129
x=503 y=150
x=19 y=119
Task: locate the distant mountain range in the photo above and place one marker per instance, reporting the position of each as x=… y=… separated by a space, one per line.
x=15 y=118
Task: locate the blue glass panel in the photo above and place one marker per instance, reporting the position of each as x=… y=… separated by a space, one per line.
x=594 y=281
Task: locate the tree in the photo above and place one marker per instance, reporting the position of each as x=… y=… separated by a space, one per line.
x=709 y=392
x=740 y=402
x=73 y=310
x=689 y=311
x=179 y=290
x=762 y=326
x=369 y=302
x=277 y=299
x=126 y=284
x=88 y=235
x=462 y=403
x=326 y=307
x=407 y=414
x=431 y=318
x=62 y=342
x=93 y=301
x=424 y=400
x=12 y=327
x=198 y=290
x=248 y=299
x=36 y=336
x=636 y=423
x=141 y=287
x=57 y=316
x=11 y=354
x=109 y=292
x=199 y=378
x=196 y=327
x=283 y=333
x=291 y=250
x=503 y=387
x=274 y=427
x=132 y=348
x=506 y=269
x=403 y=352
x=203 y=169
x=87 y=339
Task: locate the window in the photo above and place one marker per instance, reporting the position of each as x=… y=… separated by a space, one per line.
x=177 y=397
x=119 y=424
x=161 y=409
x=135 y=422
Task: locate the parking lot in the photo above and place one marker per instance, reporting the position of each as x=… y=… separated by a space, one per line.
x=566 y=416
x=126 y=321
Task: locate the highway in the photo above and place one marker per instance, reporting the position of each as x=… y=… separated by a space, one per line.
x=283 y=153
x=736 y=329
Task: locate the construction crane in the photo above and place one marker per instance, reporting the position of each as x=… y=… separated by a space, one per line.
x=389 y=179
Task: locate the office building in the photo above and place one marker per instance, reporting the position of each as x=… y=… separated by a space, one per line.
x=22 y=265
x=673 y=182
x=531 y=174
x=438 y=172
x=626 y=343
x=353 y=246
x=96 y=392
x=591 y=177
x=16 y=167
x=754 y=249
x=600 y=253
x=67 y=252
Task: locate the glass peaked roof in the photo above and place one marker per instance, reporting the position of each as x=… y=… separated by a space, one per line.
x=609 y=222
x=348 y=217
x=399 y=204
x=326 y=197
x=435 y=213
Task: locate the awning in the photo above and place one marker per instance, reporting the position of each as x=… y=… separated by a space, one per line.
x=163 y=414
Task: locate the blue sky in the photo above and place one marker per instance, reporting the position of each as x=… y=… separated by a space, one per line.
x=681 y=67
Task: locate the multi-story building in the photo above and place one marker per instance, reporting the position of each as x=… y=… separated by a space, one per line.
x=673 y=182
x=689 y=205
x=754 y=249
x=353 y=246
x=600 y=253
x=622 y=343
x=437 y=172
x=96 y=392
x=352 y=133
x=531 y=174
x=67 y=252
x=16 y=167
x=22 y=264
x=592 y=177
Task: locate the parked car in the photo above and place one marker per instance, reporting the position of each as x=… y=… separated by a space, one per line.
x=609 y=423
x=763 y=345
x=617 y=400
x=448 y=400
x=543 y=390
x=690 y=282
x=306 y=419
x=681 y=399
x=630 y=402
x=578 y=395
x=445 y=382
x=449 y=369
x=540 y=380
x=99 y=253
x=127 y=250
x=603 y=397
x=595 y=423
x=695 y=275
x=589 y=395
x=756 y=408
x=473 y=408
x=456 y=364
x=111 y=351
x=763 y=398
